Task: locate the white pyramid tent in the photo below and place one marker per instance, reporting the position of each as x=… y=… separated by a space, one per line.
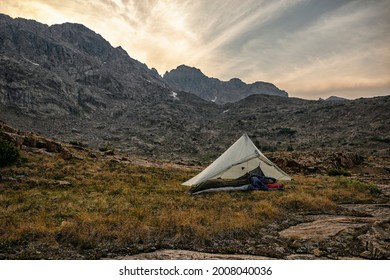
x=241 y=158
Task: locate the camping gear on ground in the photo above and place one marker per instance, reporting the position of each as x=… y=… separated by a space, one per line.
x=233 y=168
x=276 y=186
x=264 y=183
x=220 y=185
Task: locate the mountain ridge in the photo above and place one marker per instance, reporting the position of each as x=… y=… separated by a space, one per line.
x=191 y=79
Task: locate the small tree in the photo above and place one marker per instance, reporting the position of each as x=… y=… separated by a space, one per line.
x=9 y=153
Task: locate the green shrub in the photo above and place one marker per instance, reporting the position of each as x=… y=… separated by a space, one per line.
x=9 y=153
x=338 y=172
x=361 y=186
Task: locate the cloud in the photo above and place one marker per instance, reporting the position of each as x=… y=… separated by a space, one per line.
x=346 y=45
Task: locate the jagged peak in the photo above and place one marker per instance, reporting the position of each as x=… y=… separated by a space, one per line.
x=183 y=66
x=4 y=16
x=76 y=26
x=236 y=81
x=185 y=69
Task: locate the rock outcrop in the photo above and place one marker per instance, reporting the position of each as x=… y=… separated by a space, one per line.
x=316 y=162
x=189 y=255
x=23 y=139
x=364 y=235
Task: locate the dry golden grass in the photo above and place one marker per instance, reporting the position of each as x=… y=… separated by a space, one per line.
x=93 y=203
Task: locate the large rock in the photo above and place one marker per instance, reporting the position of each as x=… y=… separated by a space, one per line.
x=324 y=228
x=376 y=241
x=28 y=139
x=189 y=255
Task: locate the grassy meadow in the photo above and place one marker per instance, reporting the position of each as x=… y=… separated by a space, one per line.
x=98 y=207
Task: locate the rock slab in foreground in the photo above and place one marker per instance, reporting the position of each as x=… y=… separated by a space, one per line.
x=189 y=255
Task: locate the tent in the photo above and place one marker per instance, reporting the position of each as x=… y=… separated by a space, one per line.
x=241 y=158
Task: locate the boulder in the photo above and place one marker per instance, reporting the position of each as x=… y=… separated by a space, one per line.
x=30 y=140
x=53 y=147
x=66 y=154
x=13 y=138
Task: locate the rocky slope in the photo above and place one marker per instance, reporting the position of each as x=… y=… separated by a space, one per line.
x=279 y=123
x=190 y=79
x=67 y=82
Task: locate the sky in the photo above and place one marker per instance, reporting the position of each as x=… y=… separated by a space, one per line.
x=310 y=48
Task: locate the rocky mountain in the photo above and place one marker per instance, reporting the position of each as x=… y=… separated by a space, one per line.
x=190 y=79
x=65 y=69
x=68 y=83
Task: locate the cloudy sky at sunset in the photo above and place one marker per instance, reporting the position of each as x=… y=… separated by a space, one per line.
x=310 y=48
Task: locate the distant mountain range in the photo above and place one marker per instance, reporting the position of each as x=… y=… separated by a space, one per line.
x=67 y=82
x=190 y=79
x=336 y=98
